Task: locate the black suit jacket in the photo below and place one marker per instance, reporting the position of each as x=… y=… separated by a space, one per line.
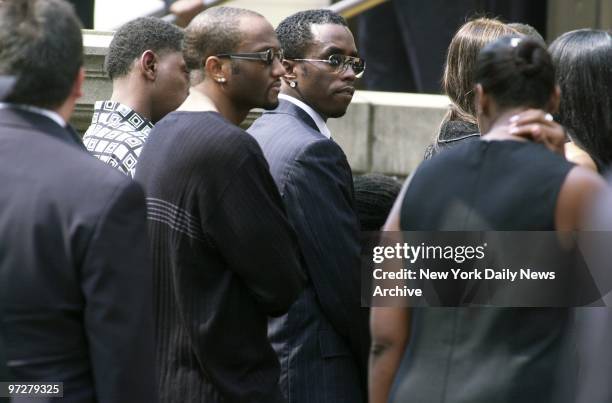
x=6 y=84
x=4 y=372
x=323 y=341
x=417 y=34
x=75 y=279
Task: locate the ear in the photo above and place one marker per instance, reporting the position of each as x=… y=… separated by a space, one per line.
x=482 y=101
x=553 y=102
x=77 y=87
x=215 y=69
x=148 y=64
x=290 y=70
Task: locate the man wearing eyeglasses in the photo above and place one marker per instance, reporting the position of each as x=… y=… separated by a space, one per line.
x=225 y=256
x=323 y=341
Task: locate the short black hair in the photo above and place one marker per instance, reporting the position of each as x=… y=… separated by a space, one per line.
x=583 y=59
x=295 y=32
x=135 y=37
x=42 y=45
x=374 y=197
x=516 y=71
x=215 y=30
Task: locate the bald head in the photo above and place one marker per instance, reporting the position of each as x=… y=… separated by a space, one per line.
x=214 y=31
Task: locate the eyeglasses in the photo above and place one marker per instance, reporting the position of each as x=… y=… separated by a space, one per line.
x=267 y=56
x=340 y=63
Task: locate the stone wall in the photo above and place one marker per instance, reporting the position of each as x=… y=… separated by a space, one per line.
x=276 y=10
x=97 y=86
x=567 y=15
x=381 y=132
x=388 y=132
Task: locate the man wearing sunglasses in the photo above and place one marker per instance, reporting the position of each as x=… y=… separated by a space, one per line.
x=323 y=341
x=225 y=256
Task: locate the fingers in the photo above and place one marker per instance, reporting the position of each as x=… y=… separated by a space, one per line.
x=532 y=116
x=552 y=135
x=539 y=126
x=531 y=131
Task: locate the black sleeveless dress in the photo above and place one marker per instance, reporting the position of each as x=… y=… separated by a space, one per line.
x=484 y=355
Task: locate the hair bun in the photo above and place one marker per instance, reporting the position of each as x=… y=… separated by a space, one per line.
x=516 y=72
x=529 y=57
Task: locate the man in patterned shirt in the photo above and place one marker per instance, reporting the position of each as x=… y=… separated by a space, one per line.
x=145 y=62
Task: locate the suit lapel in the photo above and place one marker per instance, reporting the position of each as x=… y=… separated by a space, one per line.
x=288 y=108
x=75 y=136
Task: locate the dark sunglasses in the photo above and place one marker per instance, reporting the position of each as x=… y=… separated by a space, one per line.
x=267 y=56
x=340 y=63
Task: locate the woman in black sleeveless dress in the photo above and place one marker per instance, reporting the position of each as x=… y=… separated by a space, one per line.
x=500 y=183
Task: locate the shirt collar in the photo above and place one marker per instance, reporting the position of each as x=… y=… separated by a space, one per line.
x=311 y=112
x=114 y=112
x=34 y=109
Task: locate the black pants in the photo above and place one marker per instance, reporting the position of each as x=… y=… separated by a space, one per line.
x=405 y=41
x=85 y=11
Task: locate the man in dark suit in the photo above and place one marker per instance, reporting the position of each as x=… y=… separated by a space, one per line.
x=85 y=11
x=75 y=279
x=407 y=51
x=6 y=84
x=323 y=341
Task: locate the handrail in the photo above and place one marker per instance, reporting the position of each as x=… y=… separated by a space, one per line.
x=207 y=3
x=351 y=8
x=346 y=8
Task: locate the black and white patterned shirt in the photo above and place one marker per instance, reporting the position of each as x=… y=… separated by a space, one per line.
x=116 y=135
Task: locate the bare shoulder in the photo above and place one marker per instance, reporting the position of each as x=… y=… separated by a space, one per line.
x=578 y=192
x=582 y=180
